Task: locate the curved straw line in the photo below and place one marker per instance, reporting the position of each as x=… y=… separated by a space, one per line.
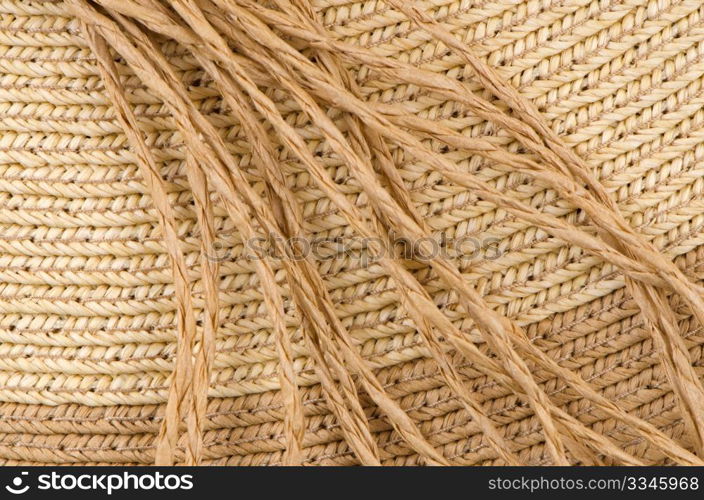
x=294 y=422
x=205 y=355
x=181 y=391
x=368 y=455
x=166 y=441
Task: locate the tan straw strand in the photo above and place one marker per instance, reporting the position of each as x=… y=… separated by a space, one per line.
x=273 y=300
x=182 y=386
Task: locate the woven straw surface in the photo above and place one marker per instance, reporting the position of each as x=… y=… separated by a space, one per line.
x=88 y=324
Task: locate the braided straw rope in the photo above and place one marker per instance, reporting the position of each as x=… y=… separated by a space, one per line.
x=542 y=158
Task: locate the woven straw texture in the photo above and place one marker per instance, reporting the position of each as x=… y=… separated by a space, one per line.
x=89 y=318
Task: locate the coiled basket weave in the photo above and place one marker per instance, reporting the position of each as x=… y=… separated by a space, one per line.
x=335 y=232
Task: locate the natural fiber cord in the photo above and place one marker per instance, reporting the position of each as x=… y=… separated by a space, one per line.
x=335 y=232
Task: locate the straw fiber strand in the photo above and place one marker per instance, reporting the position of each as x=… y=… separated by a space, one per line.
x=323 y=232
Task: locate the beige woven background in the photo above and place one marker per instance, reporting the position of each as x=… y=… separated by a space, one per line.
x=87 y=328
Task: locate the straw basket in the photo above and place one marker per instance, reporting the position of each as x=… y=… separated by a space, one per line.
x=90 y=318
